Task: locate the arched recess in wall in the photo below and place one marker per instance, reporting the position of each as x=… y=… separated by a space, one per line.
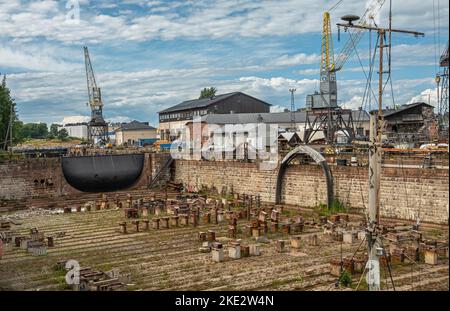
x=318 y=158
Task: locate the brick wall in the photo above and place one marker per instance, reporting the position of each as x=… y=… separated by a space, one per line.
x=32 y=178
x=405 y=193
x=42 y=178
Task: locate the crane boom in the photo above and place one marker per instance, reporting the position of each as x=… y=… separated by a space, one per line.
x=356 y=34
x=94 y=93
x=97 y=127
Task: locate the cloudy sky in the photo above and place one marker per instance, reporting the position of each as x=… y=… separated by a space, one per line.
x=149 y=55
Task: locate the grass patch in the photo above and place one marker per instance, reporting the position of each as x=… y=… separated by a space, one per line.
x=336 y=207
x=345 y=279
x=59 y=274
x=435 y=232
x=289 y=213
x=104 y=267
x=277 y=283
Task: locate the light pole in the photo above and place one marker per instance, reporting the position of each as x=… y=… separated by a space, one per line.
x=375 y=148
x=292 y=90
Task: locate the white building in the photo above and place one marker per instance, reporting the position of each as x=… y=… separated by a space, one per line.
x=78 y=130
x=76 y=126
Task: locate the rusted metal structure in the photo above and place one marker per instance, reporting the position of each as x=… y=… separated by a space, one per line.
x=318 y=158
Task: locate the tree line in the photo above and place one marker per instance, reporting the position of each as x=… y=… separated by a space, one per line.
x=21 y=131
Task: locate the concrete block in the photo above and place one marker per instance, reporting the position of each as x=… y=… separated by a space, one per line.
x=313 y=240
x=217 y=254
x=431 y=257
x=335 y=268
x=280 y=246
x=255 y=250
x=349 y=237
x=220 y=217
x=361 y=235
x=234 y=251
x=295 y=241
x=245 y=251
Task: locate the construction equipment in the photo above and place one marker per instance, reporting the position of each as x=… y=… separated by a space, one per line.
x=327 y=97
x=322 y=107
x=97 y=127
x=442 y=96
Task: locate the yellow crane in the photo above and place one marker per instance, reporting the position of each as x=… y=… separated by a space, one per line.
x=327 y=95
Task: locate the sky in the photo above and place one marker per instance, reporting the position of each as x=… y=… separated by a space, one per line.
x=150 y=55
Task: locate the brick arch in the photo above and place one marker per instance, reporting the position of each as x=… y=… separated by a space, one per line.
x=318 y=158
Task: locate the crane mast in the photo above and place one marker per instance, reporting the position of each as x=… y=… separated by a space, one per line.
x=322 y=106
x=97 y=127
x=327 y=97
x=442 y=96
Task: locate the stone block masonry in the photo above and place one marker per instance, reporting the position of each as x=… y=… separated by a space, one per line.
x=32 y=178
x=406 y=193
x=42 y=178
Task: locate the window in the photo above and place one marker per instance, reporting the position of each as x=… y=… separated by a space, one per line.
x=360 y=131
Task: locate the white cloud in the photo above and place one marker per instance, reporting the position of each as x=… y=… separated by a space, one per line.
x=199 y=19
x=74 y=119
x=297 y=59
x=308 y=72
x=428 y=96
x=279 y=84
x=45 y=6
x=31 y=59
x=354 y=103
x=121 y=119
x=277 y=108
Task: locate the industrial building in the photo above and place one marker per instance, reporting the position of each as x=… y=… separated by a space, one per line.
x=284 y=122
x=134 y=132
x=172 y=120
x=410 y=125
x=78 y=130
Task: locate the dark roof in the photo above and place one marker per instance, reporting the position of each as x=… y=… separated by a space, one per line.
x=75 y=124
x=204 y=102
x=271 y=117
x=390 y=112
x=360 y=116
x=135 y=125
x=443 y=61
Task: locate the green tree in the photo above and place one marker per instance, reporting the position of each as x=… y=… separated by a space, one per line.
x=34 y=130
x=53 y=131
x=208 y=92
x=63 y=135
x=7 y=114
